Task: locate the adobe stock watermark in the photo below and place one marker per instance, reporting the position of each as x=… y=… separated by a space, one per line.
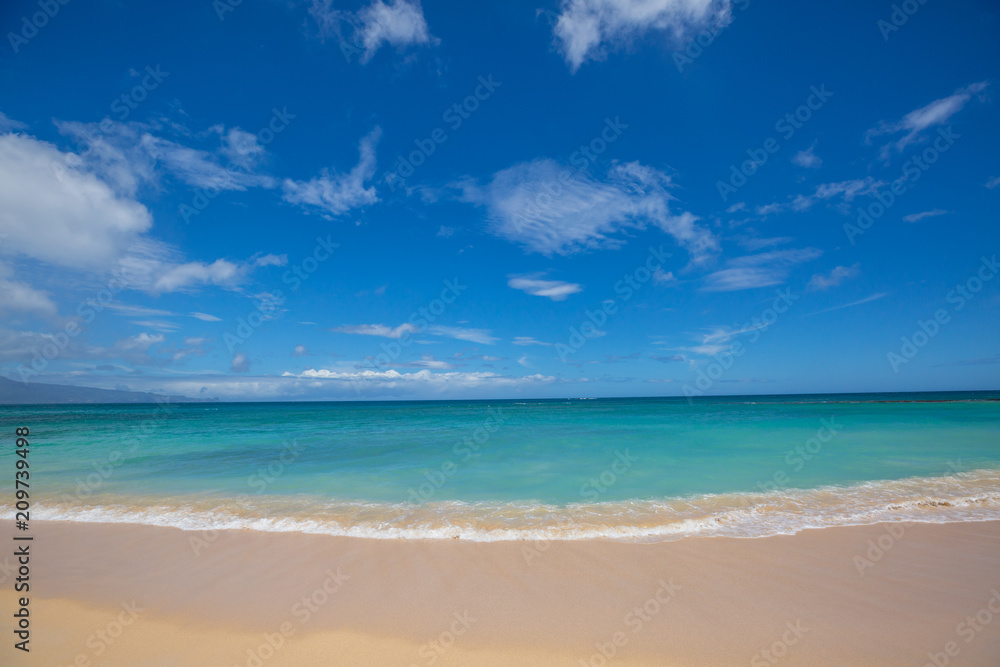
x=106 y=466
x=546 y=196
x=913 y=169
x=416 y=323
x=454 y=117
x=898 y=17
x=879 y=547
x=702 y=41
x=432 y=651
x=295 y=276
x=967 y=630
x=301 y=611
x=265 y=475
x=105 y=637
x=771 y=655
x=464 y=452
x=707 y=377
x=786 y=126
x=926 y=330
x=30 y=26
x=87 y=311
x=591 y=489
x=797 y=457
x=277 y=124
x=634 y=622
x=595 y=486
x=589 y=326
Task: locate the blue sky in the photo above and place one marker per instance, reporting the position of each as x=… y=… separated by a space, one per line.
x=351 y=200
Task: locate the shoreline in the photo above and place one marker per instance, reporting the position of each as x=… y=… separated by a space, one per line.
x=882 y=594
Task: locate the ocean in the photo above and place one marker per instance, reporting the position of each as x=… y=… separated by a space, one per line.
x=637 y=469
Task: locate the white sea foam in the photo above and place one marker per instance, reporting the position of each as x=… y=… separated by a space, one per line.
x=971 y=496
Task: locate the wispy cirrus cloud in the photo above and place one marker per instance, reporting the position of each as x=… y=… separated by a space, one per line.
x=916 y=122
x=398 y=23
x=867 y=299
x=551 y=209
x=380 y=330
x=760 y=270
x=336 y=193
x=481 y=336
x=807 y=158
x=533 y=284
x=586 y=28
x=917 y=217
x=842 y=191
x=838 y=275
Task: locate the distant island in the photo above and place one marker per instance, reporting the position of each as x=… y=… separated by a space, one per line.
x=13 y=392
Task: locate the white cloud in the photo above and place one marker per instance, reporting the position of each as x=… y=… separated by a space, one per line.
x=761 y=270
x=9 y=124
x=807 y=158
x=916 y=217
x=481 y=336
x=528 y=340
x=661 y=277
x=584 y=26
x=240 y=363
x=557 y=290
x=845 y=191
x=523 y=361
x=221 y=273
x=205 y=317
x=128 y=155
x=21 y=297
x=993 y=182
x=56 y=212
x=914 y=123
x=338 y=193
x=545 y=207
x=300 y=351
x=423 y=379
x=399 y=23
x=428 y=361
x=242 y=148
x=838 y=275
x=378 y=330
x=867 y=299
x=157 y=325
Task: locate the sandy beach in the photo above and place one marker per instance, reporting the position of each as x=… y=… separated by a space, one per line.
x=884 y=594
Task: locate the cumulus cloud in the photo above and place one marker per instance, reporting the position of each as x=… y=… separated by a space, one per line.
x=17 y=296
x=55 y=211
x=586 y=27
x=557 y=290
x=337 y=193
x=549 y=209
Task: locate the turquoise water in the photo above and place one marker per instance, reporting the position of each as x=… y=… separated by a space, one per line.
x=514 y=469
